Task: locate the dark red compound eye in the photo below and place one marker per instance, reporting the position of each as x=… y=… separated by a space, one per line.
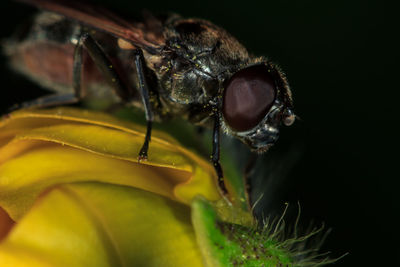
x=248 y=96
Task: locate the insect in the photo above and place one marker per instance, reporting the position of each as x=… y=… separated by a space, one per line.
x=169 y=66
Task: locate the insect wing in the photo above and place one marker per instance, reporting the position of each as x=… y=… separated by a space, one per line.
x=101 y=19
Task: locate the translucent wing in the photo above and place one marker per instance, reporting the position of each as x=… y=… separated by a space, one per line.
x=102 y=19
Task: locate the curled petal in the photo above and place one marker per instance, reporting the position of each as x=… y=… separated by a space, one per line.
x=98 y=224
x=44 y=148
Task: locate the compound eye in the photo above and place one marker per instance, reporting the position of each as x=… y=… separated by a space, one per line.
x=248 y=97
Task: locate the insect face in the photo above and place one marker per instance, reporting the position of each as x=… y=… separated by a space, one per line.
x=256 y=101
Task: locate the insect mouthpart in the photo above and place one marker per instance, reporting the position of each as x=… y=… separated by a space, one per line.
x=254 y=108
x=266 y=133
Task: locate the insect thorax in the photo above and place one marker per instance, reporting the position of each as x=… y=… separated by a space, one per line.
x=197 y=57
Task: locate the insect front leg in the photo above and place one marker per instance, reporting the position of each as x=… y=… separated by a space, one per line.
x=144 y=92
x=216 y=152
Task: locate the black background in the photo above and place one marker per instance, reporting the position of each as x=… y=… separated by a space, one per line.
x=342 y=157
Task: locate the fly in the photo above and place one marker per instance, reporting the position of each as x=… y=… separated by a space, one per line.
x=169 y=66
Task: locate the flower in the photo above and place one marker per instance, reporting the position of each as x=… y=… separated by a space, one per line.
x=72 y=193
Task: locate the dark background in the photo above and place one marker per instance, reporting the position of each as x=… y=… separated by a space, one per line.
x=340 y=161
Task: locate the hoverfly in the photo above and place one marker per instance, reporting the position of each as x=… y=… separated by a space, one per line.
x=169 y=66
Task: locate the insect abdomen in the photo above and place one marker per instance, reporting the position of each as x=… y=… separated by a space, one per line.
x=47 y=58
x=47 y=64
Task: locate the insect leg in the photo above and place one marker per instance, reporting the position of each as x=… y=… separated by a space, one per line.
x=102 y=62
x=60 y=99
x=46 y=101
x=107 y=69
x=144 y=92
x=249 y=171
x=216 y=153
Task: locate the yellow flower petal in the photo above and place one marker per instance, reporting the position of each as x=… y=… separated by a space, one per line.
x=72 y=193
x=5 y=223
x=49 y=147
x=96 y=224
